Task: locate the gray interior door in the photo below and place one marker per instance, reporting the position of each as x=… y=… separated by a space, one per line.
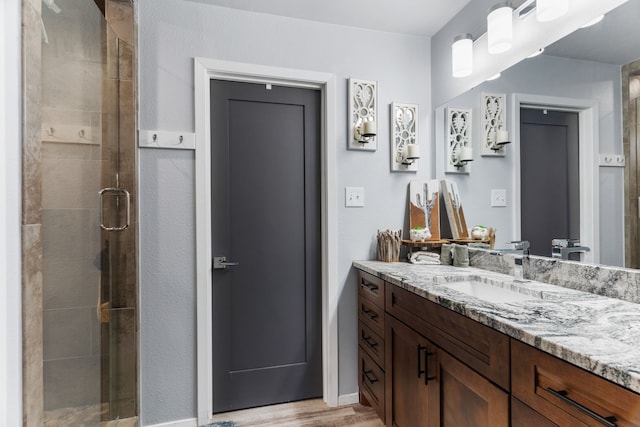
x=265 y=217
x=550 y=177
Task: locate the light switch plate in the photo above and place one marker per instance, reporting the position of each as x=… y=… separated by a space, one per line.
x=354 y=197
x=498 y=198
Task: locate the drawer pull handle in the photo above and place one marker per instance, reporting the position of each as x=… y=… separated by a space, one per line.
x=421 y=348
x=370 y=377
x=370 y=286
x=370 y=341
x=563 y=395
x=372 y=315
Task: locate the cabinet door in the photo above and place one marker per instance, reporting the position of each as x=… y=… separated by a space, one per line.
x=465 y=398
x=407 y=376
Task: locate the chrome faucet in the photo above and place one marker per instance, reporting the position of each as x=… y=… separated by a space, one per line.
x=521 y=252
x=562 y=248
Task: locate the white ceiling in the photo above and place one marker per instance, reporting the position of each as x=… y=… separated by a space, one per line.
x=416 y=17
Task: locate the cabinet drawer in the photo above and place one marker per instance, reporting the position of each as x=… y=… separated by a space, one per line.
x=371 y=382
x=371 y=288
x=568 y=395
x=483 y=349
x=371 y=315
x=371 y=343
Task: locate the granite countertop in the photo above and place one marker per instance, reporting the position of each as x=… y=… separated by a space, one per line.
x=596 y=333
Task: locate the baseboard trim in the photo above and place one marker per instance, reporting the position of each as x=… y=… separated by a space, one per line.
x=189 y=422
x=348 y=399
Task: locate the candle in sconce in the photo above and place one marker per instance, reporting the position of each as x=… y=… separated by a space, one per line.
x=465 y=154
x=413 y=151
x=502 y=137
x=369 y=128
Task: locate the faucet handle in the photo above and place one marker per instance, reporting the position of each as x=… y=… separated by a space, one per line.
x=522 y=245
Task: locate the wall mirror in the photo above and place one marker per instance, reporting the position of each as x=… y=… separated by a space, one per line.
x=580 y=74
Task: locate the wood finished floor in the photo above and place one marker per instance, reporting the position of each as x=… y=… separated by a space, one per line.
x=303 y=414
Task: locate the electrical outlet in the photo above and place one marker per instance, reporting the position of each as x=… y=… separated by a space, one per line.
x=498 y=198
x=354 y=197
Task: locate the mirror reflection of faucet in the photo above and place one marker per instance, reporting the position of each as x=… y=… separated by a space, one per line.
x=521 y=252
x=563 y=248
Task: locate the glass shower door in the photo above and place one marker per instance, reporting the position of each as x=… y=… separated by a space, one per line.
x=88 y=216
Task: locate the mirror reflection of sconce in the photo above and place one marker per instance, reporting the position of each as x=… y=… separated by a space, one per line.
x=494 y=107
x=363 y=99
x=461 y=156
x=459 y=152
x=502 y=138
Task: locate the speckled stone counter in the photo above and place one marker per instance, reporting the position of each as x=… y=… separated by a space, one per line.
x=597 y=333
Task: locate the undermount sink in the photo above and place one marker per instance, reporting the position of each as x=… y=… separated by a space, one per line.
x=488 y=292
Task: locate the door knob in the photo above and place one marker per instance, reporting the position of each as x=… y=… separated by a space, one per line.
x=220 y=263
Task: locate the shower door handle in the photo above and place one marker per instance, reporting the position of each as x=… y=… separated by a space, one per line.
x=127 y=198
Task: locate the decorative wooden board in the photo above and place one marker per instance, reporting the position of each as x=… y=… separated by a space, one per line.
x=424 y=206
x=453 y=206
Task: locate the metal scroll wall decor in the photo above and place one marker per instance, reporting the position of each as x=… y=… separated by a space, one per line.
x=404 y=137
x=363 y=99
x=459 y=151
x=494 y=117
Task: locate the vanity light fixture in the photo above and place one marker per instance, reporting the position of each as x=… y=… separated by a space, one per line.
x=500 y=28
x=548 y=10
x=462 y=55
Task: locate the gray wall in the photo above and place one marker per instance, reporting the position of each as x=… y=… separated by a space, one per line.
x=560 y=77
x=171 y=33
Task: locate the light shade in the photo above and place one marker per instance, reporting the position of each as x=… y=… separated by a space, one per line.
x=500 y=28
x=548 y=10
x=462 y=55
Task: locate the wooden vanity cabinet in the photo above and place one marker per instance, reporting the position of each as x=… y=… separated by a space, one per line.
x=371 y=346
x=425 y=365
x=427 y=383
x=409 y=377
x=566 y=395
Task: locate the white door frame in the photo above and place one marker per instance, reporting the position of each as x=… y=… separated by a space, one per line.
x=589 y=143
x=205 y=70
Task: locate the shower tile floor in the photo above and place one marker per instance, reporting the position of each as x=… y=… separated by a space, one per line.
x=83 y=416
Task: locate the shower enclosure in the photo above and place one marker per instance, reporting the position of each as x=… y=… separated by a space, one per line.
x=86 y=170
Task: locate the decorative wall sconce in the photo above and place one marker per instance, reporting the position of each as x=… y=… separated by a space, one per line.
x=459 y=151
x=548 y=10
x=494 y=108
x=500 y=28
x=363 y=100
x=405 y=150
x=462 y=55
